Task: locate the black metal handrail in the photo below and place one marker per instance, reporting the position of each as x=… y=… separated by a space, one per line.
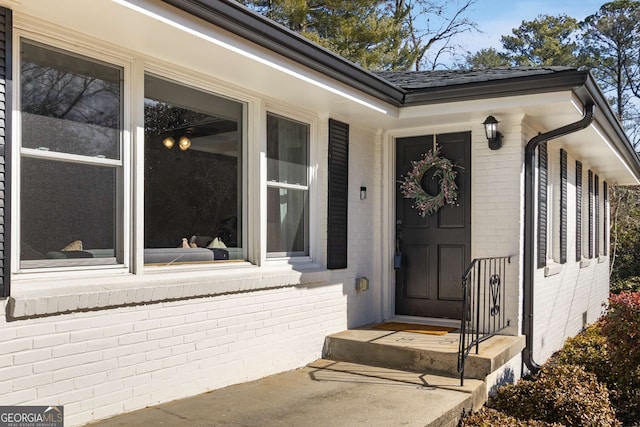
x=483 y=305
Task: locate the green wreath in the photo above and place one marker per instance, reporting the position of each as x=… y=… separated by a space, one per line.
x=445 y=171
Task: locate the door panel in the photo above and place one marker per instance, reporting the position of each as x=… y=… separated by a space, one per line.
x=416 y=254
x=451 y=268
x=436 y=249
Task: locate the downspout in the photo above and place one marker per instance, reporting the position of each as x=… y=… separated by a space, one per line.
x=529 y=226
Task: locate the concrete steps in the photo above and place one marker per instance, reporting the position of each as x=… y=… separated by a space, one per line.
x=428 y=360
x=323 y=393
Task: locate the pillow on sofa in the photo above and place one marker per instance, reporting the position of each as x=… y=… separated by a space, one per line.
x=201 y=241
x=73 y=246
x=216 y=243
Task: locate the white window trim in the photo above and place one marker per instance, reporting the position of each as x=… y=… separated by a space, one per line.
x=16 y=140
x=312 y=121
x=584 y=233
x=251 y=151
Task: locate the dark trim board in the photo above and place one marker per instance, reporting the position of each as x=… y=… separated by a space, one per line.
x=563 y=206
x=6 y=89
x=543 y=160
x=338 y=195
x=579 y=215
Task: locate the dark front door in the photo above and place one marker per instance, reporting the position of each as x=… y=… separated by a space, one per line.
x=435 y=249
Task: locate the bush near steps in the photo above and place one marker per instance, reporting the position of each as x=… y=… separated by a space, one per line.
x=593 y=381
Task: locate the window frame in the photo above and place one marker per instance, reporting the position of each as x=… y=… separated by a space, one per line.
x=251 y=117
x=188 y=81
x=121 y=165
x=310 y=122
x=132 y=148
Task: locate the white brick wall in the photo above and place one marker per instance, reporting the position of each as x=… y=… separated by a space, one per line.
x=105 y=362
x=498 y=206
x=498 y=227
x=364 y=230
x=561 y=300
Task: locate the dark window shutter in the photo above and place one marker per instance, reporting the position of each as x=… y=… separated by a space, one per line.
x=542 y=204
x=578 y=211
x=596 y=199
x=605 y=219
x=563 y=206
x=590 y=248
x=338 y=184
x=6 y=36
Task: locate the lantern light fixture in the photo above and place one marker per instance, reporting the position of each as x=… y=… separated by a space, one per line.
x=494 y=137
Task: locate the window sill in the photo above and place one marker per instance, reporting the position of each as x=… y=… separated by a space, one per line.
x=585 y=262
x=38 y=298
x=602 y=259
x=552 y=269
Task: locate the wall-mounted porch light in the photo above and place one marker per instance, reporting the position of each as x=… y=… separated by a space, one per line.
x=491 y=130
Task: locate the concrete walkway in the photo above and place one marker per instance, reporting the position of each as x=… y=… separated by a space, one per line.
x=325 y=393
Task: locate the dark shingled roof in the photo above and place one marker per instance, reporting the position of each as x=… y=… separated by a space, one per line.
x=416 y=80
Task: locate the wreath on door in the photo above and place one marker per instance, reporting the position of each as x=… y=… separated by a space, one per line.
x=411 y=187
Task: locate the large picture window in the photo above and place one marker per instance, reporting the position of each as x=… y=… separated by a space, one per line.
x=71 y=161
x=287 y=187
x=77 y=183
x=193 y=175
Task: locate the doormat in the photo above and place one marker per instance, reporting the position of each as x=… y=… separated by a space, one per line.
x=413 y=327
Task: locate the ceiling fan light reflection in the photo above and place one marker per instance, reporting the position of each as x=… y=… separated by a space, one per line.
x=184 y=143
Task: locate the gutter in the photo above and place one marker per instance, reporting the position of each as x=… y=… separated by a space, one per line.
x=497 y=88
x=529 y=225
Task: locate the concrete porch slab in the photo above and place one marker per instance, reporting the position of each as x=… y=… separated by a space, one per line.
x=323 y=393
x=420 y=352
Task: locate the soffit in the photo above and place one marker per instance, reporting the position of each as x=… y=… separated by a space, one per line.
x=187 y=43
x=161 y=32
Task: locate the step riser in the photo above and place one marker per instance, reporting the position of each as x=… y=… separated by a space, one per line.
x=408 y=359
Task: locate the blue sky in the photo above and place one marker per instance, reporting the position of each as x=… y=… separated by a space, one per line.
x=496 y=18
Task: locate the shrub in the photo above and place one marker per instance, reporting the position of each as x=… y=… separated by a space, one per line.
x=564 y=394
x=621 y=327
x=628 y=284
x=589 y=350
x=487 y=417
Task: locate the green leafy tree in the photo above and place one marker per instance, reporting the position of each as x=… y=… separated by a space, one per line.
x=625 y=232
x=486 y=58
x=611 y=39
x=376 y=34
x=545 y=41
x=371 y=33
